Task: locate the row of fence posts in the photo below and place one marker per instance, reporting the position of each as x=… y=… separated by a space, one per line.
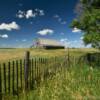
x=14 y=66
x=27 y=66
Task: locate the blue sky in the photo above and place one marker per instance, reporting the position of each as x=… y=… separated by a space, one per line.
x=23 y=20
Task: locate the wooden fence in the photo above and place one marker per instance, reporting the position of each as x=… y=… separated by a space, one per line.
x=21 y=75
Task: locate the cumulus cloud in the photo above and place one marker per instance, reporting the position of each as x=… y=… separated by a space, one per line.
x=64 y=40
x=20 y=14
x=9 y=26
x=40 y=12
x=56 y=16
x=64 y=22
x=59 y=19
x=30 y=13
x=77 y=44
x=45 y=32
x=5 y=36
x=76 y=30
x=72 y=43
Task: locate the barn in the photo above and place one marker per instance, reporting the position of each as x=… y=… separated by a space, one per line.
x=47 y=43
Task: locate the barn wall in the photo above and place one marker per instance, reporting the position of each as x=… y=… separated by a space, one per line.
x=48 y=44
x=54 y=47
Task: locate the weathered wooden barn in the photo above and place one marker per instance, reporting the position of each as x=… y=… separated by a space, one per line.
x=47 y=43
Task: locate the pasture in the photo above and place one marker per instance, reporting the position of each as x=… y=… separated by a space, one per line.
x=58 y=69
x=11 y=54
x=75 y=83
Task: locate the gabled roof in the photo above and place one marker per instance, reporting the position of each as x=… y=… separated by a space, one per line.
x=51 y=42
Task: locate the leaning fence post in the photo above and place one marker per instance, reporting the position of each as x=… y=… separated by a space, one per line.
x=27 y=62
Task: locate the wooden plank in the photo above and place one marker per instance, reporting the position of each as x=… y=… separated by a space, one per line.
x=21 y=73
x=30 y=75
x=35 y=69
x=32 y=71
x=4 y=69
x=13 y=76
x=17 y=81
x=9 y=77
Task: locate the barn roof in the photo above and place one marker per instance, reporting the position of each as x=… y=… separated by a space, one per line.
x=51 y=42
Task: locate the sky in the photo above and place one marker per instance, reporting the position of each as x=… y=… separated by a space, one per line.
x=21 y=21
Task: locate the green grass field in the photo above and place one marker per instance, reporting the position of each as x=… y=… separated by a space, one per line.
x=80 y=83
x=74 y=83
x=77 y=82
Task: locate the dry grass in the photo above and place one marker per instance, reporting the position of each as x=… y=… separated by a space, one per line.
x=11 y=54
x=69 y=84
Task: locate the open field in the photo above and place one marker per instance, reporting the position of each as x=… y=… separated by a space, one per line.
x=11 y=54
x=79 y=81
x=74 y=83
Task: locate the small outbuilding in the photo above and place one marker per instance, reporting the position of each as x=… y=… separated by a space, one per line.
x=47 y=43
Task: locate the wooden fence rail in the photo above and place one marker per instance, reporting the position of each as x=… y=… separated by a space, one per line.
x=19 y=75
x=22 y=75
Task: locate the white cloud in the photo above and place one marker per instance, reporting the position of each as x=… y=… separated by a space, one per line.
x=64 y=22
x=9 y=27
x=77 y=44
x=23 y=40
x=64 y=40
x=56 y=16
x=41 y=13
x=59 y=19
x=5 y=36
x=72 y=43
x=45 y=32
x=20 y=14
x=30 y=13
x=76 y=30
x=89 y=46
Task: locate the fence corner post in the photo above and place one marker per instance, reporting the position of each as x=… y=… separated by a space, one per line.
x=26 y=68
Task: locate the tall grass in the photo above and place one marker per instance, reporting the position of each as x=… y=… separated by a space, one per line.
x=73 y=83
x=11 y=54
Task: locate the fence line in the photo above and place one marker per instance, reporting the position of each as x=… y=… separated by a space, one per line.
x=19 y=75
x=23 y=74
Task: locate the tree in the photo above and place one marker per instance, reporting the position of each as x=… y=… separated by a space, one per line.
x=89 y=22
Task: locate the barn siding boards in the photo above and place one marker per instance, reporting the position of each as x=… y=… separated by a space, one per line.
x=47 y=44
